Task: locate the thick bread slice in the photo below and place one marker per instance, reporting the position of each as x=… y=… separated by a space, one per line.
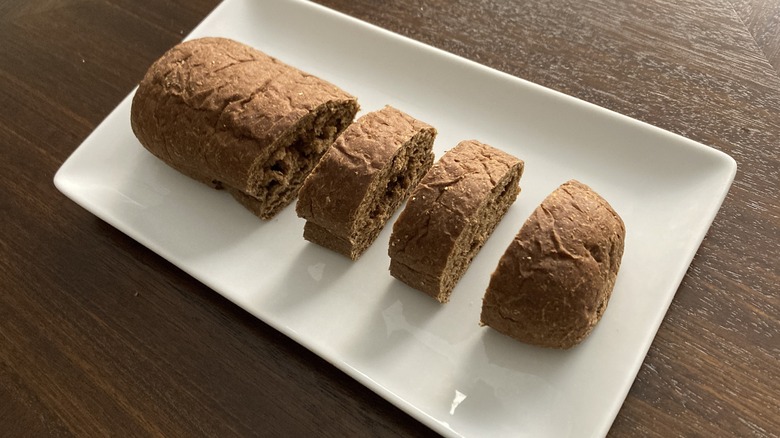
x=554 y=281
x=450 y=215
x=233 y=117
x=363 y=178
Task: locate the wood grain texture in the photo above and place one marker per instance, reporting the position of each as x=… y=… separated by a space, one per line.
x=98 y=335
x=762 y=19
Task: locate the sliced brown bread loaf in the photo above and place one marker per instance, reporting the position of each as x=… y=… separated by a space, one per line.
x=554 y=281
x=450 y=215
x=363 y=178
x=233 y=117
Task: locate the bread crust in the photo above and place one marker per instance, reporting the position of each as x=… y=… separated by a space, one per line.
x=555 y=279
x=363 y=178
x=450 y=215
x=231 y=116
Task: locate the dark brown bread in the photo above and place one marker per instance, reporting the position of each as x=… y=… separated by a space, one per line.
x=554 y=281
x=233 y=117
x=363 y=178
x=450 y=215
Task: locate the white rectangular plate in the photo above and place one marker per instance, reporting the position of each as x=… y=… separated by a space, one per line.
x=433 y=361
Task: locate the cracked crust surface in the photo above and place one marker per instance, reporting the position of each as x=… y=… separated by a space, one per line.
x=450 y=215
x=555 y=279
x=233 y=117
x=362 y=179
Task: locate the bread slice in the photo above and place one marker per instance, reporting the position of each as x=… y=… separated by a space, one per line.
x=450 y=215
x=233 y=117
x=555 y=279
x=363 y=178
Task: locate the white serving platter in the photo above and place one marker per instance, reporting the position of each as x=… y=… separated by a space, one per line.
x=433 y=361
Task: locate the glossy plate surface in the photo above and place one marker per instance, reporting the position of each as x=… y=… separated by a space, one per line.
x=433 y=361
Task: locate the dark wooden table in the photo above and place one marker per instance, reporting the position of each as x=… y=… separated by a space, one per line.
x=99 y=336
